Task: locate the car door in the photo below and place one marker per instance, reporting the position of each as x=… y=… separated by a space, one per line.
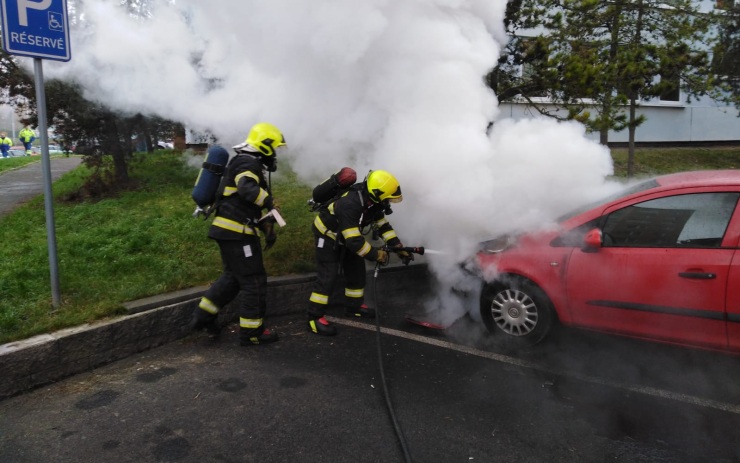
x=733 y=284
x=661 y=272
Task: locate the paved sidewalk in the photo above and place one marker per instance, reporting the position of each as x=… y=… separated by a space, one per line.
x=21 y=185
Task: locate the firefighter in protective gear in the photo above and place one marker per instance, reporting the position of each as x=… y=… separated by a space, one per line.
x=340 y=246
x=27 y=136
x=235 y=229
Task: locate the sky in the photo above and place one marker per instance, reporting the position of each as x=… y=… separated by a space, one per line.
x=395 y=85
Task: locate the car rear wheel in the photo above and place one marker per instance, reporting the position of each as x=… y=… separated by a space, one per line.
x=518 y=309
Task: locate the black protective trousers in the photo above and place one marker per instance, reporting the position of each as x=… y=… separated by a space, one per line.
x=331 y=261
x=244 y=272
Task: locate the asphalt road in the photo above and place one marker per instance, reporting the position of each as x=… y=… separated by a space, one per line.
x=19 y=185
x=579 y=398
x=455 y=395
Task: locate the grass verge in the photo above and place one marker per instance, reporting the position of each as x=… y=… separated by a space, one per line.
x=16 y=162
x=138 y=244
x=656 y=161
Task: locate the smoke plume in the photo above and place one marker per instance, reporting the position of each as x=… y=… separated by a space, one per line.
x=370 y=84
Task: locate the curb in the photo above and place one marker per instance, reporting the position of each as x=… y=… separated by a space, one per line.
x=155 y=321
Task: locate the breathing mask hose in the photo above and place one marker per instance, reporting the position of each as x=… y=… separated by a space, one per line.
x=391 y=411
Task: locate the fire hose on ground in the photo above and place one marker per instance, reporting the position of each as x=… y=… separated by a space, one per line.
x=389 y=404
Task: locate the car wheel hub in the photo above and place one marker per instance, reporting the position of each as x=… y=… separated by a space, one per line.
x=514 y=312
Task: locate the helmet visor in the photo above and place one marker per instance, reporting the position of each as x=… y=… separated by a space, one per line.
x=395 y=197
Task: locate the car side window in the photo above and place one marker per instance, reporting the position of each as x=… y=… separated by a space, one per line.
x=692 y=220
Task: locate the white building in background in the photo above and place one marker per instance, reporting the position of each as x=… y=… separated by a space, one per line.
x=666 y=122
x=670 y=120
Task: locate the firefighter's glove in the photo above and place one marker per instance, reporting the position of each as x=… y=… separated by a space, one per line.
x=273 y=204
x=270 y=240
x=406 y=257
x=268 y=228
x=382 y=258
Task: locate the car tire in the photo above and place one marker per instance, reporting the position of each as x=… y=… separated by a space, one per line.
x=517 y=311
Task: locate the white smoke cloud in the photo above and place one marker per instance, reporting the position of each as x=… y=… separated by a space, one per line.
x=372 y=84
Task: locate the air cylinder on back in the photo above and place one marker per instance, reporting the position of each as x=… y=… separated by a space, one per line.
x=338 y=181
x=209 y=177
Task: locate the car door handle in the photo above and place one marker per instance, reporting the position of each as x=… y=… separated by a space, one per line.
x=698 y=275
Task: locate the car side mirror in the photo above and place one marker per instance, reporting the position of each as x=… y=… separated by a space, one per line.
x=592 y=241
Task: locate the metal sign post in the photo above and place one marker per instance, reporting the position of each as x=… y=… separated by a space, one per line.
x=51 y=237
x=39 y=29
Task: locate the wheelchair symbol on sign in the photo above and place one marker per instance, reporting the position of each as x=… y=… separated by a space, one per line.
x=55 y=22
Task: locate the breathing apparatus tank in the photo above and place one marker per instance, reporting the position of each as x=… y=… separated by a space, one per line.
x=331 y=188
x=205 y=192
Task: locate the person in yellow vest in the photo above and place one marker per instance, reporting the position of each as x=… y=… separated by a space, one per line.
x=5 y=144
x=27 y=136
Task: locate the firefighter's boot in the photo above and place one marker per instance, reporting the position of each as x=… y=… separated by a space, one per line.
x=256 y=338
x=321 y=326
x=204 y=320
x=362 y=311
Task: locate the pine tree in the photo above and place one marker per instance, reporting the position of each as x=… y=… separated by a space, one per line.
x=726 y=58
x=598 y=60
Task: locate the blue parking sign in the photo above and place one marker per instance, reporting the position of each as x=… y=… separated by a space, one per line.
x=36 y=28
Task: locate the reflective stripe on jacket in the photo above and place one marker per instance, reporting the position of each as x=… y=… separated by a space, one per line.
x=245 y=194
x=346 y=217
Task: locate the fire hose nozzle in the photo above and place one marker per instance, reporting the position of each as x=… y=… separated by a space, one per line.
x=416 y=250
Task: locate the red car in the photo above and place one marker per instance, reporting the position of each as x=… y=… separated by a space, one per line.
x=658 y=261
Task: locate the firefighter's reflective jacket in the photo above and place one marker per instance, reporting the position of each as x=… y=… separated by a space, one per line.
x=245 y=194
x=345 y=219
